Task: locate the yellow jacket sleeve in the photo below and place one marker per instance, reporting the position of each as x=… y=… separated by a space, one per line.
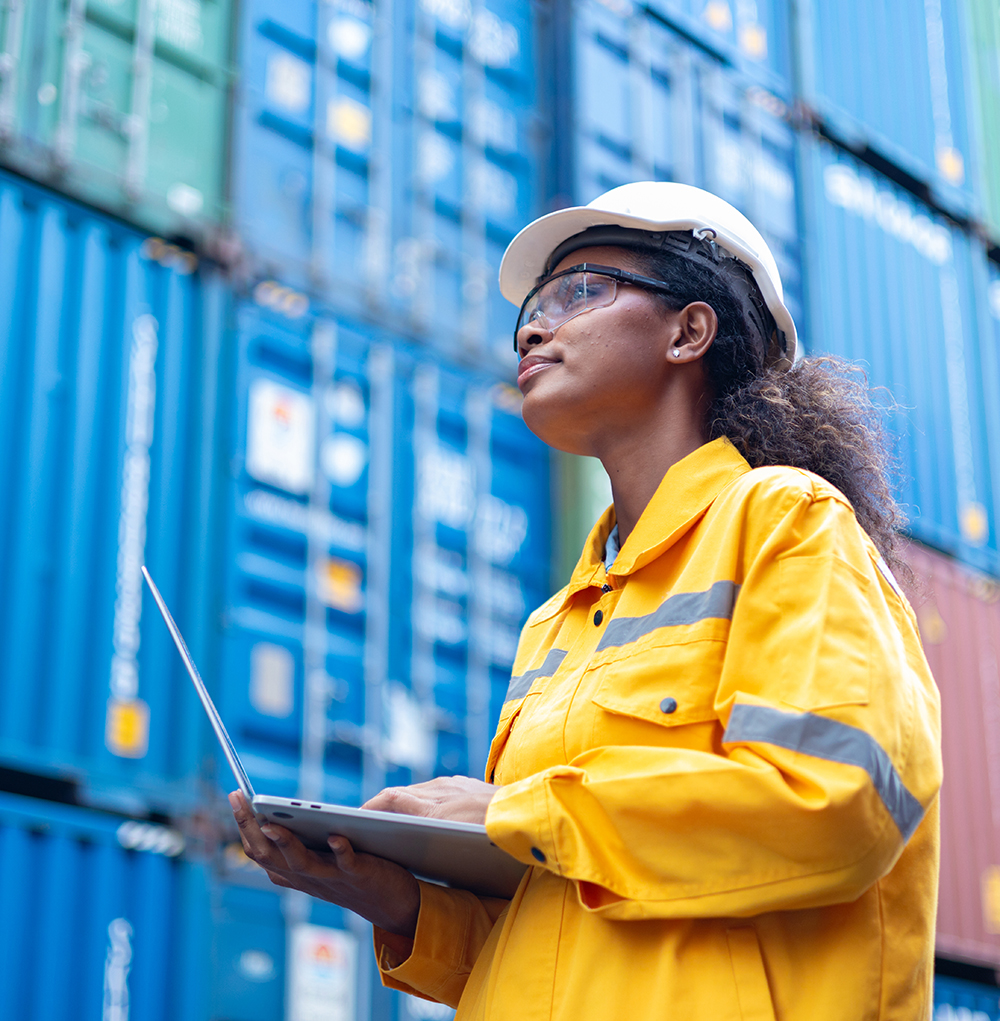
x=452 y=929
x=825 y=760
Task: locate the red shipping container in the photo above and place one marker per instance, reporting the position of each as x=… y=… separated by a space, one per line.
x=959 y=614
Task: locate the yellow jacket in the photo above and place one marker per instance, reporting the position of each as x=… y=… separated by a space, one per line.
x=721 y=758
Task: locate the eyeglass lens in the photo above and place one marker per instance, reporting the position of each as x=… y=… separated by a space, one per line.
x=563 y=297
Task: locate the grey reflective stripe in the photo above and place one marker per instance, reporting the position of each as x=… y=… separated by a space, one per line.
x=889 y=577
x=685 y=608
x=519 y=685
x=828 y=739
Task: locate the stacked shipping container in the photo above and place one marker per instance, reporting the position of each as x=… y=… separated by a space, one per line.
x=316 y=452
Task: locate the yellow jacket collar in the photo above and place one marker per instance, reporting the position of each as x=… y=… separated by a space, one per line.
x=686 y=492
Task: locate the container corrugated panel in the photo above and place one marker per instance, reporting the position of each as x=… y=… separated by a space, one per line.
x=124 y=105
x=479 y=551
x=649 y=105
x=959 y=615
x=900 y=290
x=911 y=110
x=103 y=917
x=958 y=1000
x=384 y=164
x=108 y=349
x=288 y=956
x=982 y=22
x=753 y=36
x=387 y=537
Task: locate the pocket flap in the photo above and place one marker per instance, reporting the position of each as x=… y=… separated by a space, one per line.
x=669 y=685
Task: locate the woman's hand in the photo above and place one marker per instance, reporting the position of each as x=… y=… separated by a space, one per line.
x=458 y=798
x=378 y=890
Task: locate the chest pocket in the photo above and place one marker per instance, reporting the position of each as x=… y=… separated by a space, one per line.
x=666 y=685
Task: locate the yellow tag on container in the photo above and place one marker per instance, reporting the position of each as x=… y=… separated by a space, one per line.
x=126 y=731
x=991 y=898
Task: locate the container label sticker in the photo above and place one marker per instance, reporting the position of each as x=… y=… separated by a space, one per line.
x=350 y=123
x=409 y=738
x=349 y=38
x=272 y=680
x=178 y=22
x=322 y=972
x=117 y=964
x=338 y=584
x=280 y=436
x=343 y=458
x=126 y=728
x=288 y=82
x=128 y=718
x=991 y=899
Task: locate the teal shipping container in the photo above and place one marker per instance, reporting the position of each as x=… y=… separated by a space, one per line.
x=109 y=347
x=101 y=917
x=982 y=24
x=121 y=103
x=903 y=292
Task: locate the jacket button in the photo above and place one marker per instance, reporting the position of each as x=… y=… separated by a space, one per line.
x=537 y=854
x=669 y=705
x=598 y=617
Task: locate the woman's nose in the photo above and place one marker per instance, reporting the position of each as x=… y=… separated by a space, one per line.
x=530 y=335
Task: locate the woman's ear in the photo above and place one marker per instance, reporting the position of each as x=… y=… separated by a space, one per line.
x=696 y=328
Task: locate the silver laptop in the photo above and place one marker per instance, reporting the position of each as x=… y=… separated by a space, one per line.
x=457 y=853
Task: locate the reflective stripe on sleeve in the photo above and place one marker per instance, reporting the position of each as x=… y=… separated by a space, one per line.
x=684 y=608
x=519 y=685
x=824 y=738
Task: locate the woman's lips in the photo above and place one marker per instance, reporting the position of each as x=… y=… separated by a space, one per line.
x=531 y=367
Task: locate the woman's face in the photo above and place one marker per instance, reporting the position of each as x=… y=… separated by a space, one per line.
x=602 y=372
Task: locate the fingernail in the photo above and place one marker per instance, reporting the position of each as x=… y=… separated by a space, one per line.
x=270 y=832
x=336 y=844
x=234 y=800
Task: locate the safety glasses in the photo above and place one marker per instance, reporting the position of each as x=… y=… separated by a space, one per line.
x=571 y=292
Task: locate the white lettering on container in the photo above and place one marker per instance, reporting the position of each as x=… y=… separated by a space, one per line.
x=141 y=403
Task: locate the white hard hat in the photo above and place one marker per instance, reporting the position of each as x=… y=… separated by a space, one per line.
x=652 y=206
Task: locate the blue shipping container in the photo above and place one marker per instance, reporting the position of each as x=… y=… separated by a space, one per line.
x=907 y=102
x=753 y=35
x=384 y=164
x=649 y=105
x=100 y=917
x=109 y=343
x=387 y=536
x=902 y=291
x=288 y=956
x=958 y=1000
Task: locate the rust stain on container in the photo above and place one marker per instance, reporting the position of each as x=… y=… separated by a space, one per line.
x=959 y=614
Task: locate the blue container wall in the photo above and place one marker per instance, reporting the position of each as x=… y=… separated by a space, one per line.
x=91 y=923
x=254 y=974
x=897 y=289
x=651 y=106
x=383 y=165
x=753 y=36
x=108 y=343
x=912 y=111
x=958 y=1000
x=387 y=536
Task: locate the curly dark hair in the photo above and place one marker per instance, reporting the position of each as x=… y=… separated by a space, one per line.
x=819 y=415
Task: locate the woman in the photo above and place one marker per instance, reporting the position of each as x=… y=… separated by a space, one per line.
x=719 y=749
